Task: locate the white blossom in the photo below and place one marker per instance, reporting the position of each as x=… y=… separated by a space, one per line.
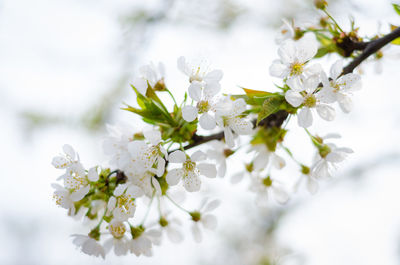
x=294 y=57
x=311 y=99
x=66 y=199
x=190 y=171
x=89 y=245
x=149 y=74
x=265 y=187
x=171 y=228
x=147 y=181
x=121 y=204
x=119 y=241
x=116 y=145
x=339 y=88
x=328 y=156
x=232 y=119
x=69 y=161
x=205 y=103
x=219 y=153
x=309 y=179
x=148 y=157
x=202 y=216
x=286 y=31
x=263 y=156
x=142 y=243
x=198 y=73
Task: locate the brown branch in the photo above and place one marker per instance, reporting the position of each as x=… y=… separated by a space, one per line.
x=279 y=117
x=371 y=48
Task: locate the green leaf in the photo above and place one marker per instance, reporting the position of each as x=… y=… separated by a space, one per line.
x=396 y=41
x=256 y=93
x=396 y=8
x=270 y=106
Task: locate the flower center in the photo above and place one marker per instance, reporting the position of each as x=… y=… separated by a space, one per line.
x=196 y=216
x=57 y=198
x=189 y=165
x=203 y=106
x=117 y=230
x=125 y=202
x=267 y=182
x=296 y=69
x=335 y=86
x=310 y=101
x=75 y=182
x=196 y=76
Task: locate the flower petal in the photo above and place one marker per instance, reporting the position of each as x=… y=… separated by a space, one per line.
x=196 y=233
x=336 y=69
x=294 y=98
x=326 y=112
x=198 y=156
x=156 y=186
x=280 y=195
x=212 y=205
x=93 y=175
x=182 y=65
x=195 y=90
x=305 y=118
x=278 y=69
x=208 y=170
x=241 y=126
x=134 y=191
x=173 y=176
x=174 y=235
x=189 y=113
x=177 y=157
x=287 y=52
x=192 y=182
x=59 y=162
x=141 y=85
x=312 y=185
x=68 y=150
x=229 y=137
x=209 y=221
x=153 y=136
x=306 y=50
x=345 y=103
x=207 y=122
x=120 y=189
x=213 y=76
x=349 y=82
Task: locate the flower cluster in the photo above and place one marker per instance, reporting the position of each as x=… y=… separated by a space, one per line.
x=148 y=166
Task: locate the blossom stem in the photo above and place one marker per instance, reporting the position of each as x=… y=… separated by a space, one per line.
x=333 y=20
x=112 y=172
x=148 y=208
x=177 y=205
x=172 y=96
x=102 y=218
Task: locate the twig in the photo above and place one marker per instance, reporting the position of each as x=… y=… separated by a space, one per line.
x=371 y=48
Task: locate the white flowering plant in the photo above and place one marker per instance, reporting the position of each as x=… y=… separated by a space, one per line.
x=145 y=167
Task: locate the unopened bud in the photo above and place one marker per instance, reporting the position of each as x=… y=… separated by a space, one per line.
x=320 y=4
x=196 y=216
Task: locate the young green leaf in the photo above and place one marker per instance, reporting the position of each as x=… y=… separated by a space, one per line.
x=270 y=106
x=396 y=8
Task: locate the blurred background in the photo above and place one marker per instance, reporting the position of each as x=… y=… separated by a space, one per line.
x=65 y=70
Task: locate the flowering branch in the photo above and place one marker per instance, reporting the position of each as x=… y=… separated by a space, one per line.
x=145 y=166
x=349 y=45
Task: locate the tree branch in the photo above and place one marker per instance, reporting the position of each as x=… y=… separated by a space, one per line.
x=371 y=48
